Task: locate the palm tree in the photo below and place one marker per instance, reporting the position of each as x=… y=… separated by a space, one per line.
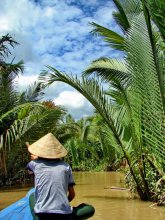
x=136 y=102
x=8 y=71
x=22 y=117
x=34 y=121
x=152 y=8
x=79 y=139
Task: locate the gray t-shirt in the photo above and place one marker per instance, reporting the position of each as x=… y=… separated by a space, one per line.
x=52 y=178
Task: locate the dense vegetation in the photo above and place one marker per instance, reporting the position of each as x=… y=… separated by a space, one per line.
x=22 y=116
x=127 y=130
x=133 y=108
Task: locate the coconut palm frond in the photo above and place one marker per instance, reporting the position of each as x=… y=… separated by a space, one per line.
x=10 y=68
x=18 y=108
x=32 y=94
x=118 y=92
x=85 y=133
x=17 y=113
x=160 y=61
x=115 y=73
x=156 y=10
x=41 y=123
x=132 y=8
x=84 y=128
x=71 y=146
x=120 y=16
x=8 y=95
x=64 y=131
x=146 y=101
x=108 y=138
x=113 y=39
x=89 y=88
x=4 y=42
x=109 y=70
x=30 y=117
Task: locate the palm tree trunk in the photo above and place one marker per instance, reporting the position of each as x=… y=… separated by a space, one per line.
x=147 y=195
x=138 y=184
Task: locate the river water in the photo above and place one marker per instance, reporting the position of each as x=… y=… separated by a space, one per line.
x=95 y=188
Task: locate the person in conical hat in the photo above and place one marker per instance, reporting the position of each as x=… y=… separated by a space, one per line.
x=48 y=147
x=54 y=183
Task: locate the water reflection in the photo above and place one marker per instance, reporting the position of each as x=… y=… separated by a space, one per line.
x=95 y=188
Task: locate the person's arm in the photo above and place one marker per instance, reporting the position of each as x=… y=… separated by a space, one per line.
x=29 y=169
x=71 y=193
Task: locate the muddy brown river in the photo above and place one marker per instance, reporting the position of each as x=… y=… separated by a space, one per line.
x=95 y=188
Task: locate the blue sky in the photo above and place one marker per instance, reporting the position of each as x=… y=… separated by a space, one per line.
x=57 y=33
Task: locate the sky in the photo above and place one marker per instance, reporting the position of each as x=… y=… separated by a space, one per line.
x=57 y=33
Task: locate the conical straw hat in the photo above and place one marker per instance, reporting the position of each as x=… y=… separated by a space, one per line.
x=48 y=147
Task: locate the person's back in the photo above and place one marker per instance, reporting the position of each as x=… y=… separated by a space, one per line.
x=53 y=179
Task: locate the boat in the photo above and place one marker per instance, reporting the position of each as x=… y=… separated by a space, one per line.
x=23 y=209
x=19 y=210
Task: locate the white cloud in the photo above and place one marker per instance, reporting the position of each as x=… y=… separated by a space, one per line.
x=20 y=15
x=49 y=12
x=71 y=99
x=56 y=33
x=24 y=81
x=4 y=24
x=75 y=104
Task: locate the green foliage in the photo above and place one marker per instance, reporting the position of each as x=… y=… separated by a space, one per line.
x=133 y=106
x=120 y=16
x=156 y=9
x=22 y=117
x=114 y=39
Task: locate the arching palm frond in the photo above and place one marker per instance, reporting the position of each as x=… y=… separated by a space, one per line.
x=131 y=8
x=159 y=54
x=109 y=70
x=114 y=39
x=126 y=11
x=30 y=117
x=8 y=94
x=10 y=68
x=108 y=137
x=156 y=10
x=71 y=146
x=120 y=16
x=19 y=108
x=113 y=72
x=33 y=93
x=136 y=126
x=146 y=101
x=4 y=42
x=89 y=88
x=94 y=93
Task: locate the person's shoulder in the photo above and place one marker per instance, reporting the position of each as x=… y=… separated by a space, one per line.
x=64 y=163
x=30 y=166
x=33 y=162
